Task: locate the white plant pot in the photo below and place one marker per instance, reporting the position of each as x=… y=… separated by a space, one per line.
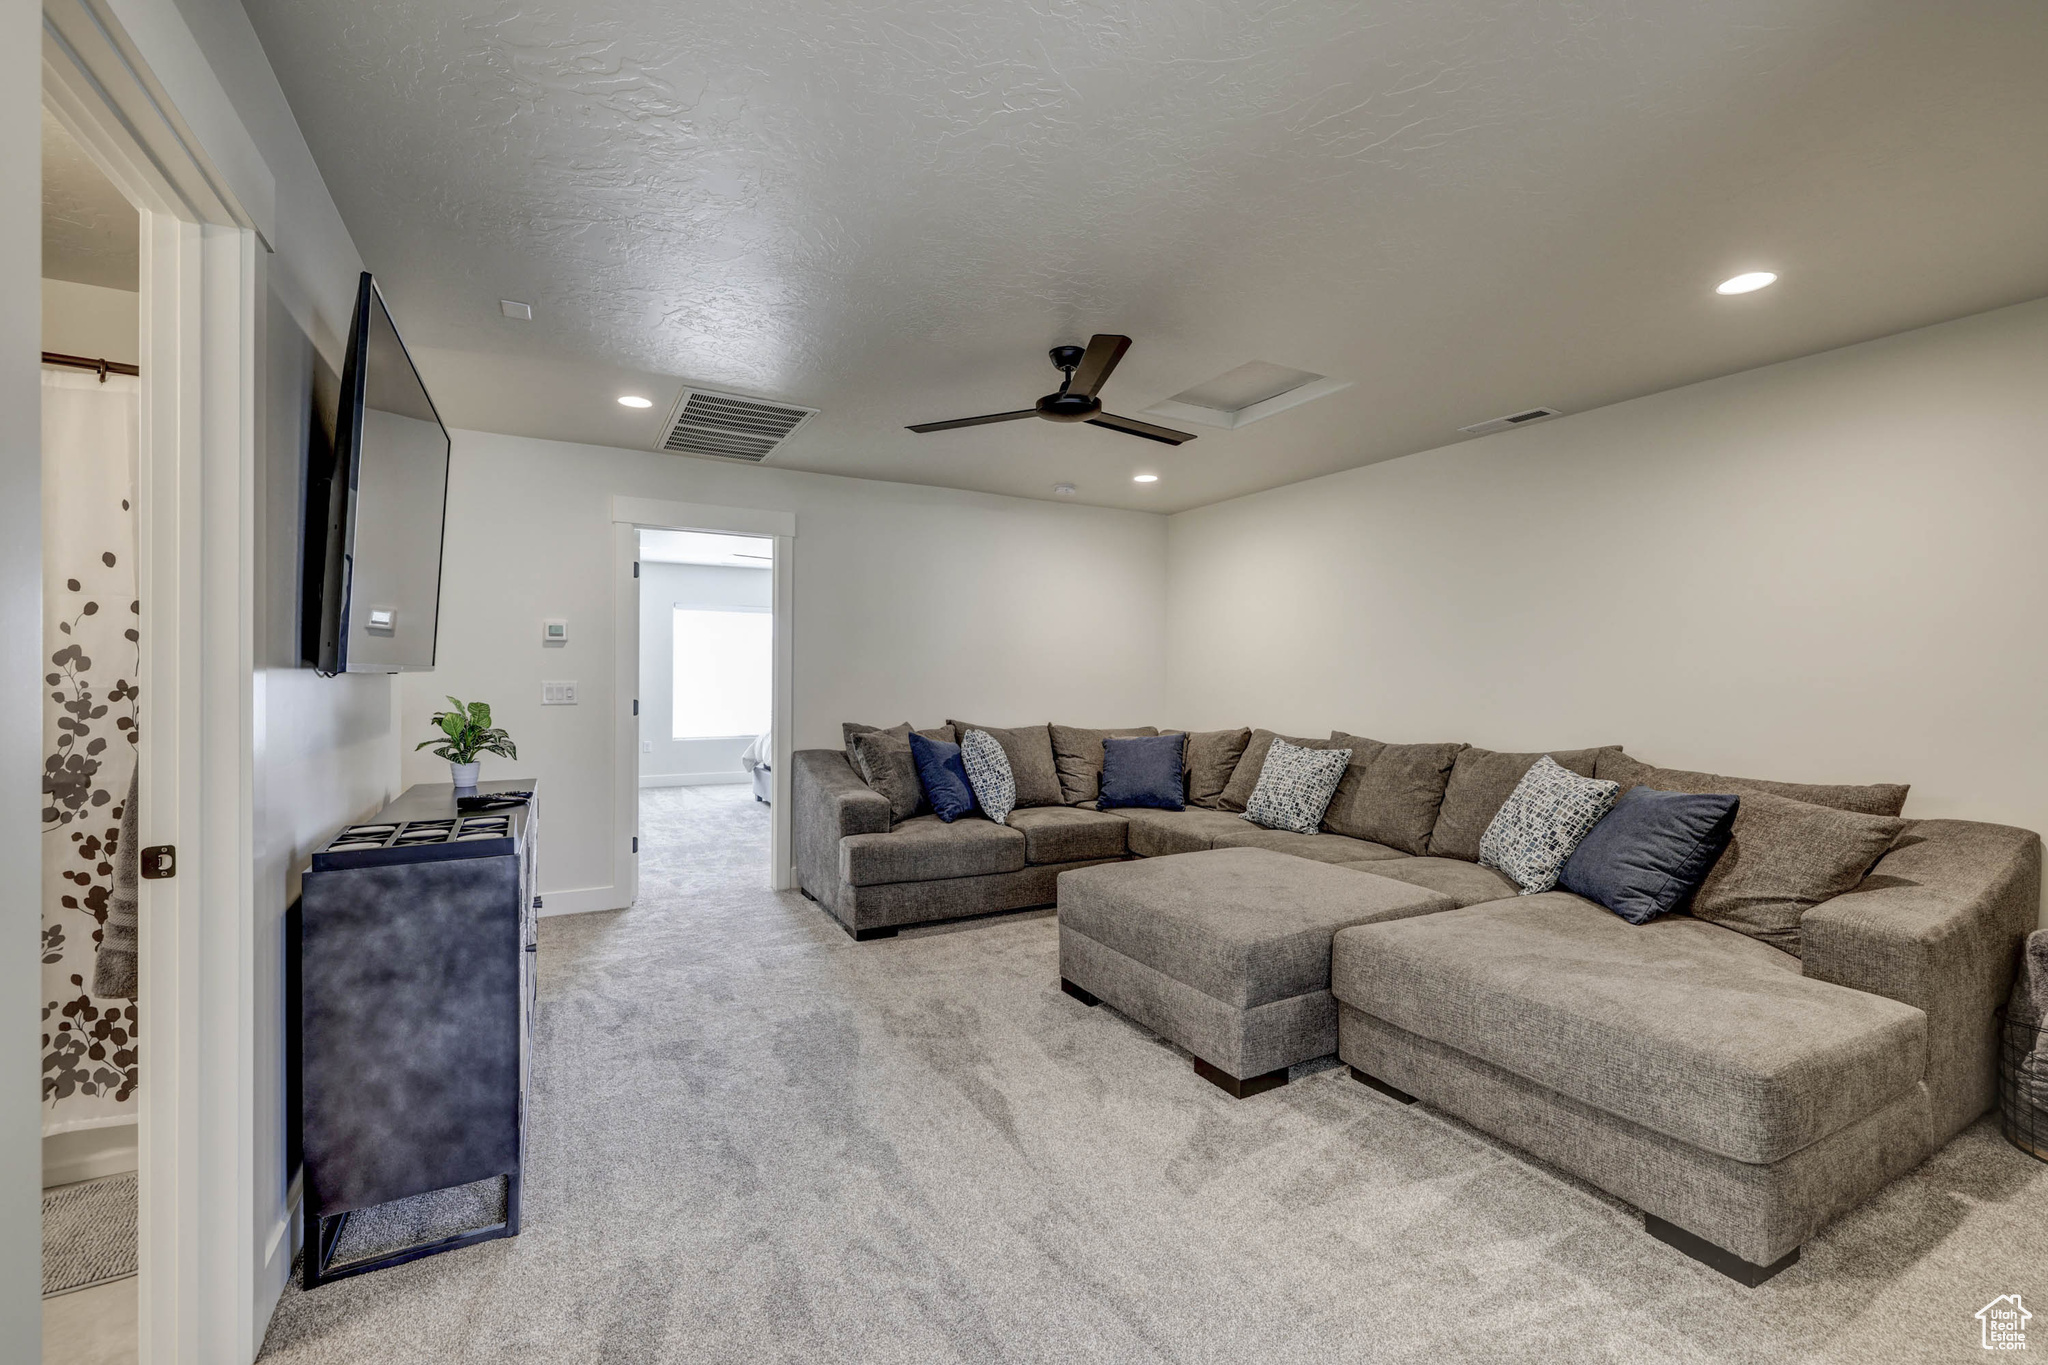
x=464 y=773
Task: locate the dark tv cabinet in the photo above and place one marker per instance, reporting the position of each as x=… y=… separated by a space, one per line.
x=415 y=992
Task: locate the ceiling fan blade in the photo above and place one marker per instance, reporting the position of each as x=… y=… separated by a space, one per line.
x=1133 y=427
x=1097 y=362
x=974 y=421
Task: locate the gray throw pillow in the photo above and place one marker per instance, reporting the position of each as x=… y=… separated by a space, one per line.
x=988 y=773
x=1394 y=792
x=1295 y=785
x=1877 y=798
x=1550 y=810
x=1212 y=759
x=1479 y=785
x=1783 y=858
x=1244 y=778
x=884 y=762
x=848 y=729
x=1029 y=749
x=1077 y=754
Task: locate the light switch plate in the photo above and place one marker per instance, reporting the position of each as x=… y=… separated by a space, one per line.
x=557 y=693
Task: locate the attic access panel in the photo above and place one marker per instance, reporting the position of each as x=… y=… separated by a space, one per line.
x=1249 y=393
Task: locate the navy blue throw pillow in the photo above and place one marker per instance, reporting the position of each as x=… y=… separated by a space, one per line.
x=1145 y=771
x=943 y=776
x=1650 y=853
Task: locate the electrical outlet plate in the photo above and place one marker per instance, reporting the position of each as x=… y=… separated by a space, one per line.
x=557 y=693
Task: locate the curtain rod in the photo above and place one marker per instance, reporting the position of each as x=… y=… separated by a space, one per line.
x=83 y=362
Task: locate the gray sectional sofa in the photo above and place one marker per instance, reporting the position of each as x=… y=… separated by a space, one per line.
x=1740 y=1096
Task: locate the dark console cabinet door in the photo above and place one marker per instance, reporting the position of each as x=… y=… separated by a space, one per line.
x=413 y=997
x=414 y=994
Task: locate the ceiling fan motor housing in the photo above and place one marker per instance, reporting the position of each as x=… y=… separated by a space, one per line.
x=1068 y=407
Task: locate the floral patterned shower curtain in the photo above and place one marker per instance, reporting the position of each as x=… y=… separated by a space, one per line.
x=91 y=653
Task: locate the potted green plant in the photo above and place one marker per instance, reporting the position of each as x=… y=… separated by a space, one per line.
x=465 y=733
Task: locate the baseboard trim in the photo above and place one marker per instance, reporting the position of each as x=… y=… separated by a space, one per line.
x=580 y=901
x=89 y=1153
x=695 y=779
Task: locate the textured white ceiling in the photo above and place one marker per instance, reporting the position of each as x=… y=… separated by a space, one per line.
x=888 y=209
x=91 y=235
x=702 y=547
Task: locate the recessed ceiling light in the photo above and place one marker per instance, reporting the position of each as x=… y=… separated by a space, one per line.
x=1746 y=284
x=1144 y=478
x=634 y=400
x=513 y=308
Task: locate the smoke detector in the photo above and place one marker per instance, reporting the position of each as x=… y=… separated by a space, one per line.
x=1513 y=419
x=727 y=426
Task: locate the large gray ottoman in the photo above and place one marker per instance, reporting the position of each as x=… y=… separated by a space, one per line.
x=1225 y=952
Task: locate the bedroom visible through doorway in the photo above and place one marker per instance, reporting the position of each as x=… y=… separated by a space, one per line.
x=707 y=633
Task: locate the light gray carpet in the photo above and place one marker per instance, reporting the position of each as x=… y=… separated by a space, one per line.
x=755 y=1140
x=88 y=1233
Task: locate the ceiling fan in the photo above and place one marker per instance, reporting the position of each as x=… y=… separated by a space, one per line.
x=1083 y=372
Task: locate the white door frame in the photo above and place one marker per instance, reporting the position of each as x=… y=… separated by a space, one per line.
x=629 y=517
x=195 y=520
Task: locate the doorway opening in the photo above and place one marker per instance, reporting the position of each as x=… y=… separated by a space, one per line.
x=705 y=751
x=92 y=660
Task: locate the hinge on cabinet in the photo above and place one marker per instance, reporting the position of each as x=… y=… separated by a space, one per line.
x=636 y=843
x=636 y=706
x=636 y=568
x=159 y=861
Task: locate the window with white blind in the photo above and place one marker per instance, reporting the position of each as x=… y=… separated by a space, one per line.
x=722 y=672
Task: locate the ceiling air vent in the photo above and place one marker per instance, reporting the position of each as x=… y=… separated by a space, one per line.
x=1513 y=419
x=731 y=427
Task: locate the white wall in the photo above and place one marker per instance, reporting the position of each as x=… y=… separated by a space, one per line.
x=664 y=759
x=21 y=640
x=91 y=320
x=1828 y=569
x=911 y=603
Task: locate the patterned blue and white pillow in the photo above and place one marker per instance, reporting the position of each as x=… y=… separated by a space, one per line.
x=1550 y=811
x=988 y=772
x=1295 y=787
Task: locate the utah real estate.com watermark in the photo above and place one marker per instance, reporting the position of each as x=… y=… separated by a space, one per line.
x=2005 y=1323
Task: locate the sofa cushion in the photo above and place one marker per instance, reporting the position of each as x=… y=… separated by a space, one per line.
x=1244 y=777
x=1063 y=834
x=1650 y=854
x=1550 y=811
x=1784 y=858
x=1212 y=761
x=1243 y=925
x=943 y=777
x=1466 y=883
x=1321 y=848
x=1880 y=798
x=1394 y=798
x=1077 y=754
x=988 y=772
x=927 y=849
x=1158 y=833
x=1295 y=787
x=884 y=761
x=1029 y=749
x=1144 y=770
x=1678 y=1025
x=1478 y=786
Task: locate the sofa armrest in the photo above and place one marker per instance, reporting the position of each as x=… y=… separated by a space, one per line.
x=828 y=802
x=1937 y=925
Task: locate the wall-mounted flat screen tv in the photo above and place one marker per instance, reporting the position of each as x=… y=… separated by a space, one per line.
x=374 y=514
